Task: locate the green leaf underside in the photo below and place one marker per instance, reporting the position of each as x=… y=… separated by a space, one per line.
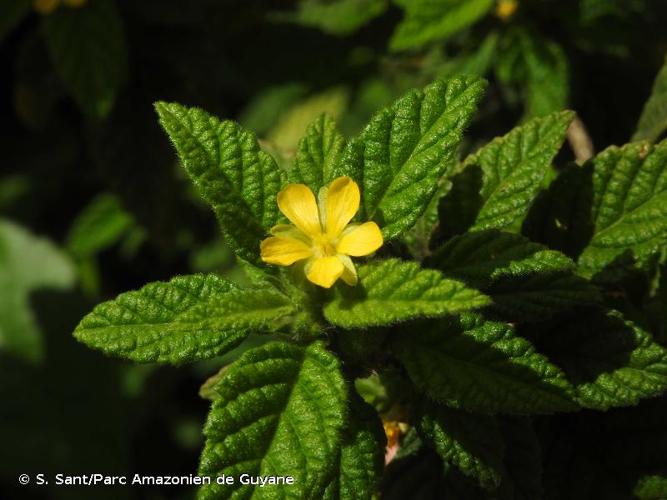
x=186 y=319
x=399 y=157
x=391 y=291
x=27 y=264
x=513 y=168
x=629 y=207
x=472 y=443
x=318 y=153
x=610 y=361
x=361 y=458
x=653 y=120
x=232 y=174
x=87 y=47
x=281 y=412
x=482 y=366
x=429 y=20
x=525 y=280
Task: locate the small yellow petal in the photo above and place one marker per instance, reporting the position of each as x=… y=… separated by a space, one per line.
x=324 y=271
x=45 y=6
x=298 y=204
x=283 y=251
x=289 y=231
x=340 y=201
x=360 y=240
x=349 y=275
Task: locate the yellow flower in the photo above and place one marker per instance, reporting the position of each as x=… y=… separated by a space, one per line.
x=506 y=8
x=321 y=232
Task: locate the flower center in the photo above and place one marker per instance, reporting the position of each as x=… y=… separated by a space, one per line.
x=323 y=246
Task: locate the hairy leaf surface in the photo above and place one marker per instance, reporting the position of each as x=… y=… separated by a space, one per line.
x=392 y=290
x=318 y=154
x=186 y=319
x=281 y=412
x=610 y=361
x=629 y=205
x=482 y=366
x=232 y=174
x=511 y=170
x=525 y=280
x=405 y=149
x=472 y=443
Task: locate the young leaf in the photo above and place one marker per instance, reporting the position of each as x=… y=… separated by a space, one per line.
x=429 y=20
x=629 y=206
x=391 y=291
x=281 y=411
x=232 y=174
x=361 y=457
x=27 y=264
x=610 y=361
x=526 y=280
x=472 y=443
x=405 y=149
x=87 y=47
x=482 y=366
x=186 y=319
x=318 y=153
x=512 y=169
x=653 y=120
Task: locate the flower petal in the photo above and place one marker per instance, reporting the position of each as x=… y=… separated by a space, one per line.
x=360 y=240
x=324 y=271
x=349 y=275
x=298 y=204
x=339 y=201
x=283 y=251
x=290 y=231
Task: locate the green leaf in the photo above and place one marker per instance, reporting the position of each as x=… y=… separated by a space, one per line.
x=429 y=20
x=525 y=280
x=340 y=17
x=472 y=443
x=186 y=319
x=610 y=361
x=294 y=122
x=482 y=366
x=390 y=291
x=281 y=412
x=266 y=106
x=629 y=206
x=653 y=120
x=361 y=458
x=232 y=174
x=11 y=14
x=507 y=173
x=651 y=488
x=318 y=154
x=87 y=47
x=406 y=148
x=101 y=224
x=27 y=264
x=538 y=67
x=418 y=238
